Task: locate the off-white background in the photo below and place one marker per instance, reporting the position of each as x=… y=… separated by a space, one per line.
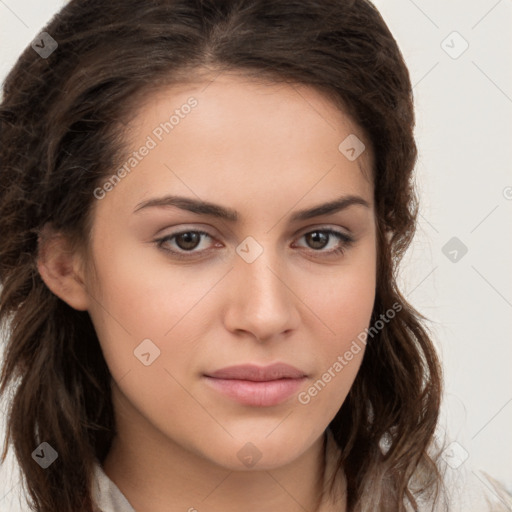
x=464 y=133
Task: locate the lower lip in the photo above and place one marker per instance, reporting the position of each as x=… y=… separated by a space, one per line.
x=257 y=394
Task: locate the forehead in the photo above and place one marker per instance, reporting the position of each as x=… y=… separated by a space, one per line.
x=235 y=134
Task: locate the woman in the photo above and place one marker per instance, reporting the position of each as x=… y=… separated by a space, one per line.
x=203 y=206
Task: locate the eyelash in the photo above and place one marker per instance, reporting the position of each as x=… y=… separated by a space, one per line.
x=346 y=242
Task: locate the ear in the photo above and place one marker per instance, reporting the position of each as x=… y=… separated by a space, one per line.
x=61 y=268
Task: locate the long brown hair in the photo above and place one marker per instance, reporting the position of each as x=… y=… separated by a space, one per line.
x=61 y=125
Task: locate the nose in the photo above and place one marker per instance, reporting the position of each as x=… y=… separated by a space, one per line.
x=261 y=300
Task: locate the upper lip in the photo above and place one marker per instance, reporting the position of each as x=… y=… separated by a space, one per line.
x=258 y=373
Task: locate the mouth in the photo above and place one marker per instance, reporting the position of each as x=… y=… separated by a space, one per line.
x=255 y=385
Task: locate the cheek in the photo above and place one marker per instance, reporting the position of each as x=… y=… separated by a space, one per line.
x=138 y=299
x=344 y=304
x=345 y=308
x=345 y=300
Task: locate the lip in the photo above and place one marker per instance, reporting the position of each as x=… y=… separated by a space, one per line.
x=256 y=393
x=255 y=385
x=258 y=373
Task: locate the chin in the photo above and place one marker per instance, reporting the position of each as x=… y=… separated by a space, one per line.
x=256 y=454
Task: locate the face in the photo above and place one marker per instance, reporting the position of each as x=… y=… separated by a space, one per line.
x=183 y=290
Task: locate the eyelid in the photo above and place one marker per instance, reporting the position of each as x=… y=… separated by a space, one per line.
x=345 y=240
x=325 y=227
x=299 y=233
x=185 y=228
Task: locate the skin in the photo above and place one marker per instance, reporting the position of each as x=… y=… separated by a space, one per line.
x=267 y=151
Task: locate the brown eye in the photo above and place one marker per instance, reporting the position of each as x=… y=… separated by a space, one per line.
x=183 y=243
x=188 y=240
x=317 y=239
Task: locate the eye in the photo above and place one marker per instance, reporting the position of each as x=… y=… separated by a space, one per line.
x=319 y=239
x=185 y=241
x=183 y=244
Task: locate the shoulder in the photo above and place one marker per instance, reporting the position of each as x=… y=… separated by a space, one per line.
x=465 y=487
x=473 y=490
x=106 y=495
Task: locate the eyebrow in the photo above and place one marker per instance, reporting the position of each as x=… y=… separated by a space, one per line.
x=228 y=214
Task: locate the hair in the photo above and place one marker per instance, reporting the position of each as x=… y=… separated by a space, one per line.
x=63 y=129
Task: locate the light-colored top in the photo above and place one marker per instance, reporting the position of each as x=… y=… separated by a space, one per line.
x=468 y=490
x=106 y=495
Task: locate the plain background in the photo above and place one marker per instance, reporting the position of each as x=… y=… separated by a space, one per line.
x=464 y=134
